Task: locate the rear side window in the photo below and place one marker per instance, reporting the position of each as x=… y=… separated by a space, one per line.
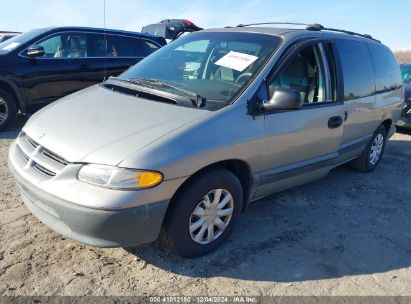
x=387 y=71
x=357 y=69
x=122 y=46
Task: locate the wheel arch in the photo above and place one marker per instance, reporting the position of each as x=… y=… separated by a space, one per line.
x=11 y=88
x=387 y=124
x=239 y=168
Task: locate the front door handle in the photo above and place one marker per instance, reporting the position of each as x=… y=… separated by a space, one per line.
x=335 y=122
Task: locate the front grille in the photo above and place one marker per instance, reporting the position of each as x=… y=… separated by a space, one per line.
x=44 y=170
x=32 y=142
x=54 y=157
x=38 y=158
x=25 y=156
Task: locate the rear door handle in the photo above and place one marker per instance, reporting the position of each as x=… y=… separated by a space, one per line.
x=335 y=122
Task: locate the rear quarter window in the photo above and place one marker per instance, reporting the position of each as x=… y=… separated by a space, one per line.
x=357 y=69
x=122 y=46
x=387 y=71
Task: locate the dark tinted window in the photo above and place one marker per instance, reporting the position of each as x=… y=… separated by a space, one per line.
x=387 y=71
x=357 y=69
x=122 y=46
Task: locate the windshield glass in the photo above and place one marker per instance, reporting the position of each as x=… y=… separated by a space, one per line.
x=213 y=65
x=406 y=72
x=16 y=41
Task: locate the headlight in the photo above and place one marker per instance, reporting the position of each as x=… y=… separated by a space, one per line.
x=119 y=178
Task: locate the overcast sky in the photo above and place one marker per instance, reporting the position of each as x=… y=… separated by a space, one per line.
x=388 y=21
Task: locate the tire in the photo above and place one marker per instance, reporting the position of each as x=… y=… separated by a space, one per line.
x=365 y=162
x=180 y=218
x=7 y=109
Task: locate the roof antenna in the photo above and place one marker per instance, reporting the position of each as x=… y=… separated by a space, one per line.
x=105 y=41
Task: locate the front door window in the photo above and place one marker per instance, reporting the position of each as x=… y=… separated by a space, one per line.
x=304 y=74
x=66 y=45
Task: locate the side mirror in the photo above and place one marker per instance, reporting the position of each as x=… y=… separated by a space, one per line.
x=35 y=51
x=283 y=99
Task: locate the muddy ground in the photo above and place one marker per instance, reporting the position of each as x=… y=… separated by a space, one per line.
x=347 y=234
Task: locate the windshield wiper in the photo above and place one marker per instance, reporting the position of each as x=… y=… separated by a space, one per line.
x=150 y=88
x=196 y=98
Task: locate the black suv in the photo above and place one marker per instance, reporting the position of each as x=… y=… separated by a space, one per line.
x=43 y=65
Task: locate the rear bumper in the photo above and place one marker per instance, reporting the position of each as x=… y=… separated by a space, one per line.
x=100 y=228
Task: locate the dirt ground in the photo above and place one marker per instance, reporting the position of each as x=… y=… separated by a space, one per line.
x=347 y=234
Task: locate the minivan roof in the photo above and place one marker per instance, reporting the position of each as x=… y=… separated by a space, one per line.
x=291 y=33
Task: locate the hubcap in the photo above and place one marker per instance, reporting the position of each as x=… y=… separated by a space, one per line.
x=376 y=149
x=4 y=111
x=211 y=216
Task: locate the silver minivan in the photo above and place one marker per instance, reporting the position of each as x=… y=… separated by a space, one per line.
x=184 y=140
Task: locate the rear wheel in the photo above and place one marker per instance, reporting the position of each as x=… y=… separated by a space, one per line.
x=371 y=156
x=204 y=213
x=7 y=109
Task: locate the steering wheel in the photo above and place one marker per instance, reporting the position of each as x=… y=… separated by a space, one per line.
x=243 y=77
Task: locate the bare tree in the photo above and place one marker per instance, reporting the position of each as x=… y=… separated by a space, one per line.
x=403 y=56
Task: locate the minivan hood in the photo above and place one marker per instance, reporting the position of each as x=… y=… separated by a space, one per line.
x=97 y=125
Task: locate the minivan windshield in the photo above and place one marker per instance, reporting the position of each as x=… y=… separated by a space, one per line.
x=213 y=65
x=12 y=43
x=406 y=72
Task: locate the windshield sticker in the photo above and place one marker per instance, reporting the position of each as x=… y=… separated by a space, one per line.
x=11 y=46
x=237 y=61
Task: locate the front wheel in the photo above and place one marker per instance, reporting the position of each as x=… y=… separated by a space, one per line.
x=371 y=156
x=7 y=109
x=204 y=213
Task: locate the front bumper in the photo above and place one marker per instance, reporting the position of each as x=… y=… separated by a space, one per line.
x=101 y=228
x=88 y=214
